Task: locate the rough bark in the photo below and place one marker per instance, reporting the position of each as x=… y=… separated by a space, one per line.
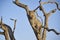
x=36 y=25
x=5 y=33
x=32 y=19
x=8 y=33
x=46 y=15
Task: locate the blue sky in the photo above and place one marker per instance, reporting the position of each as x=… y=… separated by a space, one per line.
x=23 y=29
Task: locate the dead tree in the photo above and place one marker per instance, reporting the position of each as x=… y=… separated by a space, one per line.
x=35 y=23
x=4 y=28
x=8 y=33
x=46 y=15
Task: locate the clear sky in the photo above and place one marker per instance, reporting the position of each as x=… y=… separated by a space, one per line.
x=23 y=29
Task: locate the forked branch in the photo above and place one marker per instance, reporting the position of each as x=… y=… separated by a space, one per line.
x=57 y=5
x=14 y=24
x=46 y=15
x=5 y=30
x=51 y=12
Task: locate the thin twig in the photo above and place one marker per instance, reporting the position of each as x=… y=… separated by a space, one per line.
x=14 y=24
x=2 y=33
x=51 y=2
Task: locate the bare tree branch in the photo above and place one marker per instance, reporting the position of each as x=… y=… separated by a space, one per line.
x=42 y=9
x=51 y=30
x=39 y=1
x=57 y=5
x=53 y=11
x=14 y=24
x=35 y=22
x=39 y=17
x=51 y=2
x=10 y=32
x=5 y=30
x=2 y=33
x=20 y=4
x=46 y=18
x=1 y=21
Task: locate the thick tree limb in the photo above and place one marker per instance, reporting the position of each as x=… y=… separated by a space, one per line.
x=20 y=4
x=44 y=13
x=7 y=31
x=46 y=19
